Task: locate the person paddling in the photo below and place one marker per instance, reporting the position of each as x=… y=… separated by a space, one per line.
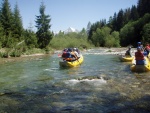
x=139 y=57
x=128 y=52
x=147 y=49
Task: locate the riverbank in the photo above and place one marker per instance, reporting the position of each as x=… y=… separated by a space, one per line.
x=116 y=51
x=23 y=57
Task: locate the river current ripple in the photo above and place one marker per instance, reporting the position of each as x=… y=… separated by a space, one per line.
x=102 y=84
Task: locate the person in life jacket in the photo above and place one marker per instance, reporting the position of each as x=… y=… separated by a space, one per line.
x=128 y=52
x=139 y=57
x=140 y=45
x=68 y=55
x=64 y=53
x=76 y=53
x=147 y=49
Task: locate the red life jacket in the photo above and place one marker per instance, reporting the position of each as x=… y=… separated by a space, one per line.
x=64 y=54
x=139 y=56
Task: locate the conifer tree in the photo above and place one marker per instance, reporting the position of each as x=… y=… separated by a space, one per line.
x=17 y=24
x=44 y=35
x=143 y=7
x=120 y=20
x=6 y=17
x=6 y=20
x=134 y=14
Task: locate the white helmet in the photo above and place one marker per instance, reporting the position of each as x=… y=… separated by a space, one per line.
x=74 y=49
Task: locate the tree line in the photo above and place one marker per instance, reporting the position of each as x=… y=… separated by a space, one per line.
x=17 y=39
x=124 y=28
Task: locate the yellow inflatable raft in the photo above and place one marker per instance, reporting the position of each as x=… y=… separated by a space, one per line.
x=72 y=63
x=140 y=68
x=126 y=58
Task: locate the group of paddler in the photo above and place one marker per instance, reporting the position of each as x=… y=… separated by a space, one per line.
x=140 y=61
x=70 y=54
x=140 y=53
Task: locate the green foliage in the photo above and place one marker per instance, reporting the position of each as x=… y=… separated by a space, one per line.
x=70 y=40
x=15 y=53
x=120 y=20
x=30 y=39
x=42 y=23
x=146 y=33
x=127 y=34
x=17 y=24
x=143 y=7
x=104 y=37
x=134 y=13
x=6 y=17
x=34 y=51
x=123 y=28
x=133 y=32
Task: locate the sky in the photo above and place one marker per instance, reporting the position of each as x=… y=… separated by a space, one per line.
x=70 y=13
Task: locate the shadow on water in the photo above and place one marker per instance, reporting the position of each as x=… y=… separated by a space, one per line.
x=102 y=84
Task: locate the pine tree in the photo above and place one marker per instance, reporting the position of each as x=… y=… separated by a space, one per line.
x=114 y=22
x=134 y=14
x=6 y=17
x=42 y=23
x=120 y=20
x=88 y=27
x=6 y=20
x=143 y=7
x=17 y=24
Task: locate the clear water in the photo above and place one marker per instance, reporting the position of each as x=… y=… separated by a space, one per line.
x=102 y=84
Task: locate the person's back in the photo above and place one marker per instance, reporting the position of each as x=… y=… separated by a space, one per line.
x=139 y=57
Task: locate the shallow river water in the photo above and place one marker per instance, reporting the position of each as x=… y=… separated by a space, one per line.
x=102 y=84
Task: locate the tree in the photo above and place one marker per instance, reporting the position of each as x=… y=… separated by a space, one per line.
x=134 y=14
x=127 y=34
x=1 y=35
x=6 y=17
x=88 y=27
x=17 y=24
x=30 y=39
x=120 y=20
x=43 y=33
x=146 y=33
x=143 y=7
x=6 y=20
x=126 y=15
x=115 y=34
x=114 y=22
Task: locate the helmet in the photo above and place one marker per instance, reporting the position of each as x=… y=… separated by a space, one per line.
x=70 y=49
x=139 y=42
x=65 y=49
x=74 y=49
x=138 y=48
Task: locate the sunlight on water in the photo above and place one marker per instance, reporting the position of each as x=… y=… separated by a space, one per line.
x=101 y=84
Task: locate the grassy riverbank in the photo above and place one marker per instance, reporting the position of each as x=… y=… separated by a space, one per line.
x=37 y=53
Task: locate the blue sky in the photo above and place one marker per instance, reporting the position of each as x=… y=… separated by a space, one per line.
x=70 y=13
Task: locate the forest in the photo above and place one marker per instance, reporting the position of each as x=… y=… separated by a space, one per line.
x=126 y=27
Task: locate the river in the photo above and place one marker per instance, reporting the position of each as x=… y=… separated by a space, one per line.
x=102 y=84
